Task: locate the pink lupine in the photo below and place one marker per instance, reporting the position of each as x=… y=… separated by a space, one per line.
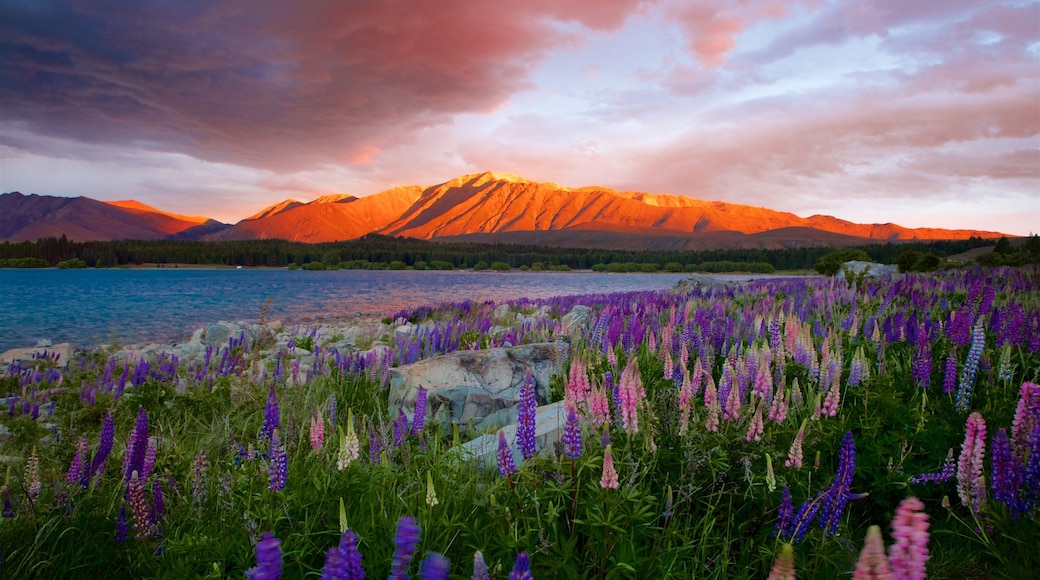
x=599 y=406
x=872 y=564
x=610 y=477
x=833 y=398
x=755 y=428
x=971 y=483
x=908 y=555
x=794 y=456
x=317 y=432
x=685 y=402
x=1027 y=413
x=783 y=568
x=32 y=476
x=778 y=410
x=732 y=410
x=763 y=381
x=711 y=401
x=578 y=386
x=632 y=394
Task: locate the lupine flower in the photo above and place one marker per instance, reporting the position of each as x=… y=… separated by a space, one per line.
x=138 y=507
x=785 y=514
x=1027 y=415
x=1005 y=473
x=272 y=416
x=419 y=415
x=480 y=569
x=349 y=446
x=971 y=485
x=158 y=505
x=374 y=445
x=572 y=434
x=950 y=374
x=198 y=477
x=506 y=465
x=268 y=559
x=279 y=463
x=711 y=401
x=610 y=477
x=121 y=523
x=317 y=431
x=783 y=568
x=32 y=476
x=108 y=430
x=400 y=428
x=921 y=368
x=521 y=568
x=946 y=473
x=794 y=455
x=834 y=508
x=137 y=445
x=525 y=427
x=971 y=365
x=335 y=565
x=431 y=492
x=77 y=468
x=908 y=555
x=632 y=394
x=149 y=459
x=348 y=545
x=778 y=409
x=755 y=427
x=406 y=540
x=872 y=564
x=434 y=567
x=599 y=406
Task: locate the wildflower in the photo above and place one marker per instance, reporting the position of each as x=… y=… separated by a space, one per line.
x=317 y=431
x=521 y=568
x=755 y=428
x=77 y=469
x=406 y=540
x=506 y=466
x=907 y=556
x=108 y=429
x=348 y=545
x=434 y=567
x=198 y=477
x=480 y=569
x=668 y=502
x=149 y=459
x=946 y=473
x=419 y=415
x=431 y=492
x=268 y=559
x=279 y=463
x=783 y=568
x=785 y=514
x=1005 y=473
x=971 y=365
x=610 y=477
x=794 y=455
x=525 y=426
x=32 y=476
x=272 y=416
x=137 y=445
x=375 y=445
x=1027 y=415
x=950 y=374
x=872 y=564
x=599 y=406
x=400 y=428
x=839 y=494
x=778 y=409
x=335 y=565
x=138 y=507
x=711 y=401
x=770 y=476
x=632 y=394
x=572 y=434
x=921 y=368
x=121 y=524
x=349 y=446
x=971 y=486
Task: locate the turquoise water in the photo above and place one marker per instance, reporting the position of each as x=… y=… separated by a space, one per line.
x=86 y=307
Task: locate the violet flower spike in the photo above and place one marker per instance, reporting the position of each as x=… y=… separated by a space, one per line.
x=572 y=434
x=406 y=540
x=480 y=569
x=521 y=568
x=506 y=465
x=419 y=415
x=525 y=428
x=434 y=567
x=268 y=559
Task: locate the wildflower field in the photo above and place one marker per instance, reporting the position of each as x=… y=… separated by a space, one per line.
x=721 y=433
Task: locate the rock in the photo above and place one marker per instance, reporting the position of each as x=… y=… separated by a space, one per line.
x=549 y=424
x=478 y=389
x=867 y=269
x=502 y=311
x=59 y=353
x=698 y=281
x=216 y=334
x=578 y=321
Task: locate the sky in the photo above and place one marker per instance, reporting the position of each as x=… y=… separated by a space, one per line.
x=924 y=113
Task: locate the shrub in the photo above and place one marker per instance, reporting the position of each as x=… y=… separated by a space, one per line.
x=499 y=266
x=314 y=266
x=830 y=264
x=481 y=265
x=72 y=263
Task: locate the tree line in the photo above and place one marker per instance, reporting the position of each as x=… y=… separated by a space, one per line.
x=379 y=249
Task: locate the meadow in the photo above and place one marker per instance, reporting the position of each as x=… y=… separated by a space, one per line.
x=708 y=434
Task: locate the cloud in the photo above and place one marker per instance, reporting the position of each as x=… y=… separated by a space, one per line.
x=271 y=84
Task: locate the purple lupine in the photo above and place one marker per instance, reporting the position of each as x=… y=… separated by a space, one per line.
x=434 y=567
x=480 y=569
x=137 y=445
x=521 y=568
x=335 y=565
x=279 y=463
x=971 y=365
x=121 y=524
x=149 y=459
x=785 y=514
x=348 y=545
x=405 y=541
x=158 y=504
x=1005 y=473
x=525 y=427
x=1027 y=415
x=946 y=473
x=950 y=374
x=77 y=473
x=506 y=465
x=272 y=416
x=268 y=559
x=198 y=476
x=839 y=494
x=375 y=445
x=400 y=428
x=419 y=415
x=921 y=368
x=572 y=434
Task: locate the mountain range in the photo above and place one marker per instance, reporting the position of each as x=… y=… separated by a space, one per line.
x=486 y=207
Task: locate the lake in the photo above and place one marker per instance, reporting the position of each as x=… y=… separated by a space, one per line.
x=86 y=307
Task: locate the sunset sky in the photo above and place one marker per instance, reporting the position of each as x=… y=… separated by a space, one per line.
x=922 y=113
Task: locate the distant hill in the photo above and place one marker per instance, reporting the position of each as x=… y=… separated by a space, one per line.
x=486 y=207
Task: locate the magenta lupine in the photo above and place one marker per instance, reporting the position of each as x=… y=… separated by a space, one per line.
x=732 y=410
x=599 y=406
x=572 y=434
x=711 y=401
x=317 y=431
x=419 y=414
x=610 y=476
x=632 y=394
x=833 y=398
x=268 y=559
x=506 y=465
x=756 y=427
x=908 y=555
x=527 y=411
x=279 y=463
x=763 y=387
x=77 y=473
x=272 y=415
x=685 y=402
x=1027 y=415
x=405 y=541
x=778 y=409
x=872 y=563
x=434 y=567
x=971 y=484
x=783 y=567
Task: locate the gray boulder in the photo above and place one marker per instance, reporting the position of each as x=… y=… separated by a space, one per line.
x=697 y=282
x=549 y=424
x=60 y=354
x=578 y=321
x=867 y=269
x=477 y=389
